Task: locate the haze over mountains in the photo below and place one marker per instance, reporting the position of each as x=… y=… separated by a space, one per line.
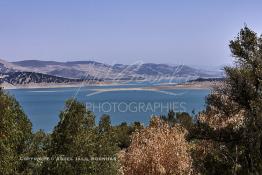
x=96 y=70
x=78 y=69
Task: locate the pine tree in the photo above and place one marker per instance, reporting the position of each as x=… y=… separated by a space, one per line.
x=233 y=119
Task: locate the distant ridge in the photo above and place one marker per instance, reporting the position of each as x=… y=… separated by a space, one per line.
x=15 y=75
x=208 y=79
x=79 y=69
x=21 y=78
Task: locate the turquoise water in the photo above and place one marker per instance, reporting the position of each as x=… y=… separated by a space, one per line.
x=44 y=105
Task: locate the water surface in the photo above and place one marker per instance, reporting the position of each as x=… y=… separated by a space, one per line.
x=44 y=105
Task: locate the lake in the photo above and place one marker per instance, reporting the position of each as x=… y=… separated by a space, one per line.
x=126 y=103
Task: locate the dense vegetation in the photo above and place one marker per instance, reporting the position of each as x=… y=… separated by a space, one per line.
x=15 y=134
x=75 y=137
x=231 y=126
x=226 y=138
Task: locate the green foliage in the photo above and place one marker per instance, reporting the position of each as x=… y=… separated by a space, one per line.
x=76 y=146
x=77 y=138
x=238 y=107
x=226 y=138
x=124 y=132
x=181 y=118
x=15 y=133
x=37 y=148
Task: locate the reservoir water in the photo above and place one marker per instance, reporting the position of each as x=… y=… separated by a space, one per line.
x=126 y=103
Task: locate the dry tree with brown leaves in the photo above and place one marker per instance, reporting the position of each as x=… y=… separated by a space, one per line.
x=157 y=149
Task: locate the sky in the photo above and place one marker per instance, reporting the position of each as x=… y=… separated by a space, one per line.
x=192 y=32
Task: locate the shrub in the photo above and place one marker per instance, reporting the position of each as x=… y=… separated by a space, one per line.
x=157 y=149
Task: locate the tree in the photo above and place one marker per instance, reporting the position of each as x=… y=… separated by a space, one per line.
x=157 y=149
x=38 y=148
x=70 y=139
x=170 y=118
x=76 y=141
x=124 y=133
x=105 y=124
x=15 y=133
x=182 y=118
x=106 y=146
x=233 y=118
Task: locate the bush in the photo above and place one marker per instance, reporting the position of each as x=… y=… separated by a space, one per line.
x=157 y=149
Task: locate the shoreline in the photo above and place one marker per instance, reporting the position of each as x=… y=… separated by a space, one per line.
x=186 y=85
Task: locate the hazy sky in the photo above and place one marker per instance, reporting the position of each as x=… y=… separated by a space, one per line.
x=195 y=32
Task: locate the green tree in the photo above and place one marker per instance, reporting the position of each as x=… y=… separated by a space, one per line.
x=124 y=132
x=182 y=118
x=15 y=133
x=106 y=147
x=76 y=140
x=105 y=124
x=38 y=148
x=70 y=139
x=233 y=119
x=170 y=118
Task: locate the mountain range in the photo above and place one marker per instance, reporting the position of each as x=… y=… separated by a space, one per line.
x=83 y=70
x=18 y=75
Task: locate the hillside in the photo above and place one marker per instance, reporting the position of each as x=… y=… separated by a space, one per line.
x=21 y=78
x=19 y=75
x=79 y=69
x=35 y=71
